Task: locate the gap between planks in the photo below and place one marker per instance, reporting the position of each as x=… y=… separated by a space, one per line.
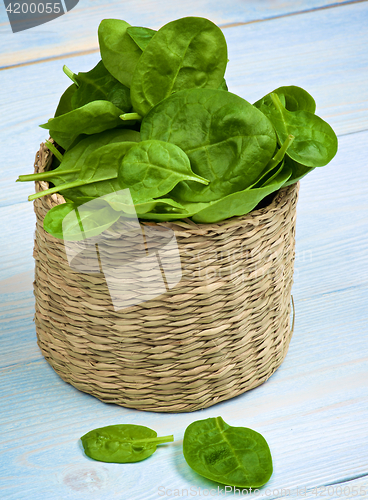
x=222 y=26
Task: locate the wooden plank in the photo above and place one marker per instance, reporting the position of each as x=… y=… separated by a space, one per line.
x=310 y=51
x=318 y=409
x=352 y=488
x=332 y=220
x=77 y=31
x=16 y=244
x=18 y=343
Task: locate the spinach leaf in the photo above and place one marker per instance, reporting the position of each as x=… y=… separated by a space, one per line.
x=54 y=150
x=100 y=165
x=315 y=142
x=242 y=202
x=274 y=164
x=124 y=443
x=72 y=223
x=141 y=36
x=292 y=98
x=267 y=178
x=65 y=103
x=119 y=52
x=239 y=203
x=298 y=170
x=223 y=85
x=104 y=163
x=235 y=456
x=99 y=85
x=186 y=53
x=163 y=212
x=152 y=168
x=118 y=203
x=91 y=118
x=78 y=156
x=228 y=141
x=73 y=160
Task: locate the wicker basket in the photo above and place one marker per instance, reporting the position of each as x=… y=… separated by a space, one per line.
x=222 y=330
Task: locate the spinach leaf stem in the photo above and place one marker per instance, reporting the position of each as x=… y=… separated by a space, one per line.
x=130 y=116
x=44 y=176
x=69 y=73
x=54 y=151
x=280 y=153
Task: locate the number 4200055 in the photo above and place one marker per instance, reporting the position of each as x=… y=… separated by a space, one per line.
x=33 y=8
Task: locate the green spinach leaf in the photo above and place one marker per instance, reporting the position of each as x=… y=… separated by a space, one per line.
x=119 y=52
x=235 y=456
x=73 y=160
x=242 y=202
x=292 y=98
x=186 y=53
x=100 y=165
x=124 y=443
x=99 y=85
x=315 y=142
x=223 y=85
x=141 y=36
x=298 y=170
x=274 y=164
x=91 y=118
x=79 y=154
x=65 y=103
x=152 y=168
x=72 y=223
x=228 y=141
x=122 y=204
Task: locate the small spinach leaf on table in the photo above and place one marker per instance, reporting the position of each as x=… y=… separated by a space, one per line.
x=186 y=53
x=228 y=141
x=124 y=443
x=97 y=85
x=140 y=35
x=152 y=168
x=91 y=118
x=235 y=456
x=119 y=52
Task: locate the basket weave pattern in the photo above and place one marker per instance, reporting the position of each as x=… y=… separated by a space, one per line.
x=222 y=330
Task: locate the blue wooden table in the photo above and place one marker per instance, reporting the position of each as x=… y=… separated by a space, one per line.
x=314 y=410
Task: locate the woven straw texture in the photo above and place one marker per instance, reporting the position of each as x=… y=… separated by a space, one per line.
x=222 y=330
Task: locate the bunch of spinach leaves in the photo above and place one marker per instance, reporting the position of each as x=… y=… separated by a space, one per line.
x=155 y=116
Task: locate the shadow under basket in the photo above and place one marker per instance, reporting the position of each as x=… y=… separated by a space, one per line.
x=223 y=329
